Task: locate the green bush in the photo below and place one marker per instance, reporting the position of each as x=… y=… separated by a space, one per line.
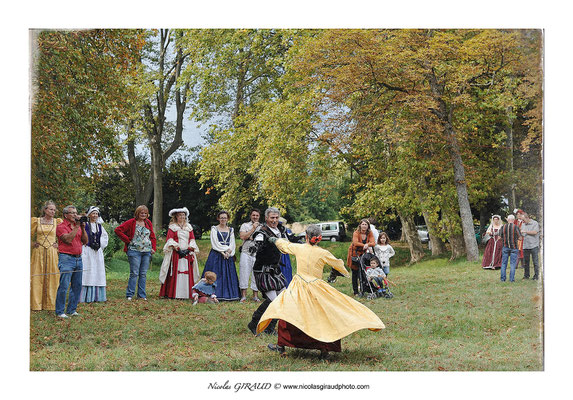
x=114 y=244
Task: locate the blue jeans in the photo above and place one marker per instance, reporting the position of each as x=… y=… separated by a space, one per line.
x=512 y=254
x=70 y=276
x=138 y=266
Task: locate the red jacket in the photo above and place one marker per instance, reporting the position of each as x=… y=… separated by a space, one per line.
x=126 y=231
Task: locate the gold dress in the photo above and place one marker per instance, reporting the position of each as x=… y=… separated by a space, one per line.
x=44 y=272
x=311 y=304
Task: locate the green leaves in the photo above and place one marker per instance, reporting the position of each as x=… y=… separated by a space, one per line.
x=78 y=102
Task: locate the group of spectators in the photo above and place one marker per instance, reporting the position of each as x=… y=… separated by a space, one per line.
x=62 y=250
x=517 y=241
x=68 y=254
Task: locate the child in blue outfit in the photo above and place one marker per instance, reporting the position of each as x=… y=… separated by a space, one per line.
x=204 y=290
x=376 y=276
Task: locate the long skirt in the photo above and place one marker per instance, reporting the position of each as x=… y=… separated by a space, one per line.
x=286 y=268
x=227 y=279
x=91 y=294
x=44 y=278
x=492 y=253
x=291 y=336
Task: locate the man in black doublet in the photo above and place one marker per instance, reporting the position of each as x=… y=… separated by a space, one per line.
x=268 y=276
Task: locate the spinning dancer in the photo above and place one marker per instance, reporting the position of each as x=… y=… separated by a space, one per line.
x=314 y=315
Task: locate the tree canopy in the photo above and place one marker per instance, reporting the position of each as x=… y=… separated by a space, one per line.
x=439 y=124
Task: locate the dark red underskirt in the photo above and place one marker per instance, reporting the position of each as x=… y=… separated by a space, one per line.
x=291 y=336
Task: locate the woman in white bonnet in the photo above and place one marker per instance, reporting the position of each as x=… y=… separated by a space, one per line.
x=93 y=276
x=179 y=270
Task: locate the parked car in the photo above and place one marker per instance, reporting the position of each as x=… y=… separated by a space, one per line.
x=423 y=233
x=331 y=230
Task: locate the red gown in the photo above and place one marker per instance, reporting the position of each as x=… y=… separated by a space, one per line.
x=169 y=287
x=291 y=336
x=492 y=253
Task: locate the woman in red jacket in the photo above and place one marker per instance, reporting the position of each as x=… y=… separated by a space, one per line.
x=140 y=244
x=362 y=240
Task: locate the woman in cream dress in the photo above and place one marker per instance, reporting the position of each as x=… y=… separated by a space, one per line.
x=312 y=314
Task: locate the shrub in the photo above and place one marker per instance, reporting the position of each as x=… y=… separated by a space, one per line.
x=114 y=244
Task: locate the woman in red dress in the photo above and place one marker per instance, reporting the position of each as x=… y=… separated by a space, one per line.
x=179 y=270
x=492 y=253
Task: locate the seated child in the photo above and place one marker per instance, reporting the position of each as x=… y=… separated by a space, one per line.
x=204 y=290
x=375 y=275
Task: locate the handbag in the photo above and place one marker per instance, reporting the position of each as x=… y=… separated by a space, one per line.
x=486 y=237
x=355 y=260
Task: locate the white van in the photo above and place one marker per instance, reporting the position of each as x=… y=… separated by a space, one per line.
x=331 y=230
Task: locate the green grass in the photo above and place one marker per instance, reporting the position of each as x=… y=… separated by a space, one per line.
x=444 y=316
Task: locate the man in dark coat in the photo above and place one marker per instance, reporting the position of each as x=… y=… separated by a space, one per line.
x=268 y=275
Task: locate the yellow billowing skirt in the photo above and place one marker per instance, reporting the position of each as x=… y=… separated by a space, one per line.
x=319 y=310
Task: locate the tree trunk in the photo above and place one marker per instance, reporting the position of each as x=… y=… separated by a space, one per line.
x=157 y=173
x=437 y=245
x=483 y=221
x=509 y=132
x=472 y=250
x=457 y=245
x=444 y=113
x=412 y=238
x=142 y=193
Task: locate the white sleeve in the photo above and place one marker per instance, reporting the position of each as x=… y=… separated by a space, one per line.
x=215 y=244
x=104 y=238
x=232 y=244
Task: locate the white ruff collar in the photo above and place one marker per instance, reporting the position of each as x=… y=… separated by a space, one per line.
x=177 y=228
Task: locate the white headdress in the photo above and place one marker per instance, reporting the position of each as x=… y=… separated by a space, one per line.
x=91 y=210
x=179 y=210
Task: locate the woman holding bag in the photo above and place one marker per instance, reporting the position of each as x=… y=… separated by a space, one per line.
x=362 y=240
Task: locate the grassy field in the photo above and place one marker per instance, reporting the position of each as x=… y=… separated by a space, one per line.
x=445 y=316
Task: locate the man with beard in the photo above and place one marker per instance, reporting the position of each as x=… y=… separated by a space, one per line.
x=268 y=276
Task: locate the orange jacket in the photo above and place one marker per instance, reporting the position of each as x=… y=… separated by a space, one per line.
x=357 y=247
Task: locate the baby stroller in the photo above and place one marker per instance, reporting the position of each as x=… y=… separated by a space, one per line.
x=369 y=289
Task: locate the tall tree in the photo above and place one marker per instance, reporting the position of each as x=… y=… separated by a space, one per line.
x=78 y=94
x=436 y=76
x=163 y=61
x=236 y=71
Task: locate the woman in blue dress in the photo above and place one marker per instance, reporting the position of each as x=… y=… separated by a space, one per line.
x=221 y=259
x=285 y=264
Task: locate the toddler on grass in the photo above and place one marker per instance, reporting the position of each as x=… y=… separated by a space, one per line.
x=204 y=290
